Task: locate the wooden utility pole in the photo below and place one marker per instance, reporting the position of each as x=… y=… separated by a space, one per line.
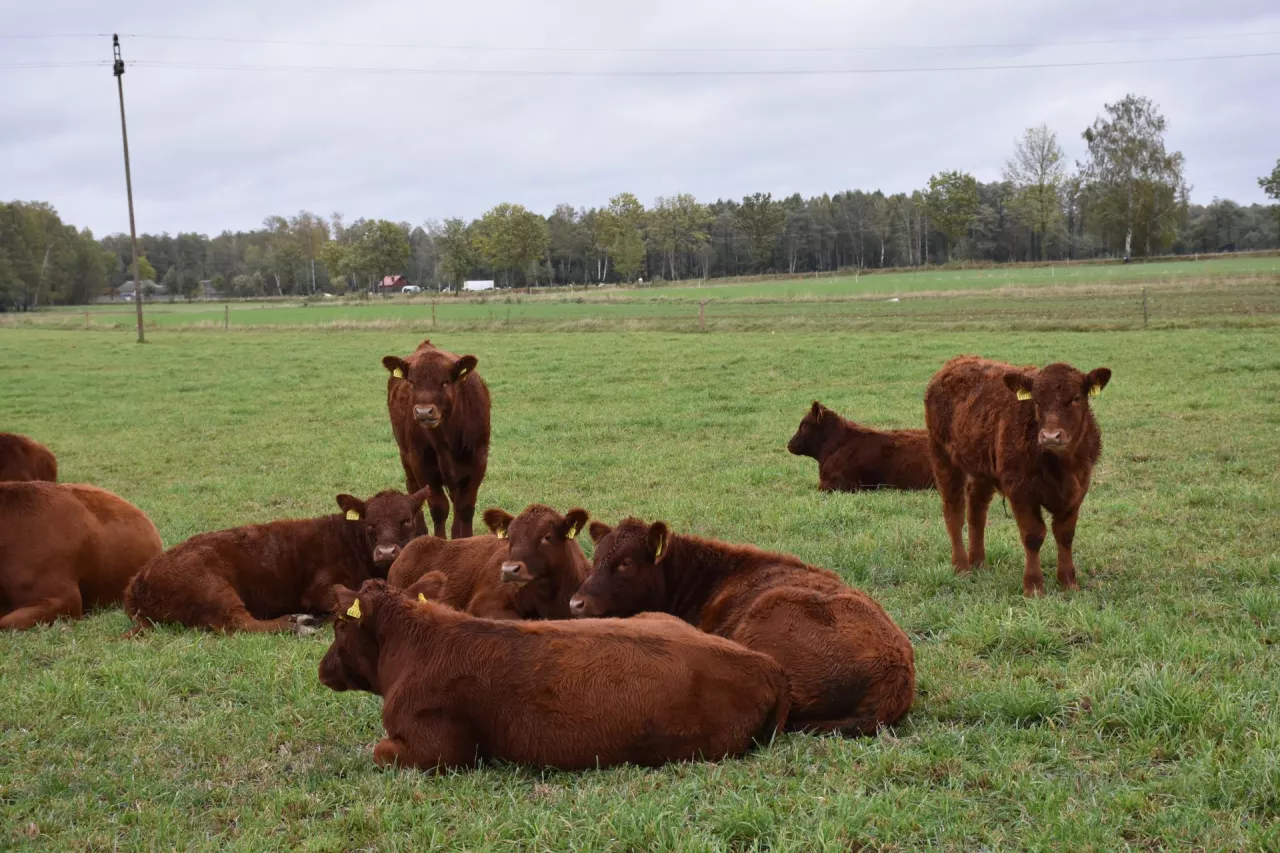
x=128 y=183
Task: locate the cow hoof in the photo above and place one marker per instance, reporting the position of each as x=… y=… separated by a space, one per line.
x=304 y=624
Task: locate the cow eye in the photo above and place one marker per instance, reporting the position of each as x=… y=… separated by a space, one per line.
x=546 y=539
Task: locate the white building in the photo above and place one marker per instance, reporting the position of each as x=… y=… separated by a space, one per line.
x=477 y=285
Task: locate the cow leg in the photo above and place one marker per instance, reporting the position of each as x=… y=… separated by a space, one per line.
x=951 y=485
x=438 y=503
x=1031 y=530
x=464 y=507
x=298 y=623
x=1064 y=533
x=45 y=611
x=435 y=745
x=979 y=494
x=411 y=485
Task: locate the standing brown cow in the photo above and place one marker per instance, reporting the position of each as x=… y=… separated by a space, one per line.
x=23 y=459
x=528 y=569
x=572 y=695
x=439 y=408
x=1023 y=432
x=852 y=457
x=67 y=548
x=851 y=668
x=273 y=577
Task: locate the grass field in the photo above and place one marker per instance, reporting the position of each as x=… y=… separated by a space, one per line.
x=1140 y=713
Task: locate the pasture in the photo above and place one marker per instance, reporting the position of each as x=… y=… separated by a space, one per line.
x=1140 y=713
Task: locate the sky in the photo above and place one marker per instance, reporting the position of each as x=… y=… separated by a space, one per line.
x=256 y=108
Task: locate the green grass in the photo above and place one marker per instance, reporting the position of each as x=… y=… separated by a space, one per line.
x=1141 y=713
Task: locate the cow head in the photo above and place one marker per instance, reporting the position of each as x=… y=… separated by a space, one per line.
x=435 y=377
x=541 y=541
x=1059 y=399
x=812 y=431
x=386 y=521
x=352 y=660
x=627 y=576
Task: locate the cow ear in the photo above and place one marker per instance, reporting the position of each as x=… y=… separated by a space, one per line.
x=352 y=506
x=599 y=530
x=498 y=520
x=419 y=497
x=462 y=367
x=816 y=410
x=1095 y=380
x=346 y=603
x=659 y=541
x=396 y=366
x=574 y=521
x=1019 y=383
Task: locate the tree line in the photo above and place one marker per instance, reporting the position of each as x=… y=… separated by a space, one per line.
x=1127 y=198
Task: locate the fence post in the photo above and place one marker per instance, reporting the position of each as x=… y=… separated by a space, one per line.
x=702 y=314
x=1144 y=307
x=86 y=319
x=226 y=317
x=433 y=313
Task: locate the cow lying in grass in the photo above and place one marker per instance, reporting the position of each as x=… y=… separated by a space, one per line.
x=277 y=576
x=851 y=668
x=24 y=459
x=1025 y=433
x=528 y=569
x=67 y=548
x=852 y=457
x=573 y=695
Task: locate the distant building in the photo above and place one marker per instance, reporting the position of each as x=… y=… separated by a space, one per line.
x=149 y=289
x=477 y=285
x=392 y=283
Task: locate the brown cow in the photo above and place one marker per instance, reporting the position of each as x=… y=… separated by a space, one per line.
x=1023 y=432
x=852 y=457
x=528 y=570
x=67 y=548
x=23 y=459
x=571 y=695
x=276 y=576
x=439 y=408
x=851 y=668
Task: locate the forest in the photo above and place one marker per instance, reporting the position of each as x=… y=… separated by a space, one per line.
x=1129 y=198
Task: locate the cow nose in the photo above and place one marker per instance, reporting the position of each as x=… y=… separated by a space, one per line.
x=577 y=606
x=383 y=553
x=1052 y=436
x=426 y=413
x=511 y=571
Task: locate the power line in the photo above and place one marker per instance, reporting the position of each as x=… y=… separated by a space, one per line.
x=679 y=72
x=480 y=48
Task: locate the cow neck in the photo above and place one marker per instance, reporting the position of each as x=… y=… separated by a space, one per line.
x=405 y=633
x=454 y=434
x=837 y=434
x=356 y=550
x=694 y=569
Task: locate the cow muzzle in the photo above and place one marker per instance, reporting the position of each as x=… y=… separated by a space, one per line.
x=578 y=607
x=428 y=416
x=514 y=571
x=1053 y=440
x=385 y=554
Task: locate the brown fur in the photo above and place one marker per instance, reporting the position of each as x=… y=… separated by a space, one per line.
x=852 y=457
x=65 y=549
x=447 y=450
x=529 y=574
x=572 y=695
x=851 y=668
x=1038 y=453
x=271 y=577
x=24 y=459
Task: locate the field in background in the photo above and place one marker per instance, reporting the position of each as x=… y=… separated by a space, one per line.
x=1141 y=713
x=1205 y=294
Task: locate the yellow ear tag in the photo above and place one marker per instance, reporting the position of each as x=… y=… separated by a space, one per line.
x=353 y=515
x=422 y=597
x=572 y=534
x=398 y=373
x=1094 y=390
x=354 y=610
x=1024 y=394
x=501 y=534
x=463 y=374
x=662 y=543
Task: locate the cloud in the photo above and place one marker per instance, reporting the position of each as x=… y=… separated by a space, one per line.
x=216 y=148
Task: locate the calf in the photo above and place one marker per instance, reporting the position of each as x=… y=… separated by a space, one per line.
x=1023 y=432
x=67 y=548
x=571 y=695
x=528 y=569
x=852 y=457
x=276 y=576
x=851 y=668
x=23 y=459
x=439 y=409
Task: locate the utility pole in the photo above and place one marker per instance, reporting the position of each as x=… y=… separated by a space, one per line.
x=128 y=183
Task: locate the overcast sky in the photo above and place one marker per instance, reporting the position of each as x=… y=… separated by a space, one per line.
x=214 y=149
